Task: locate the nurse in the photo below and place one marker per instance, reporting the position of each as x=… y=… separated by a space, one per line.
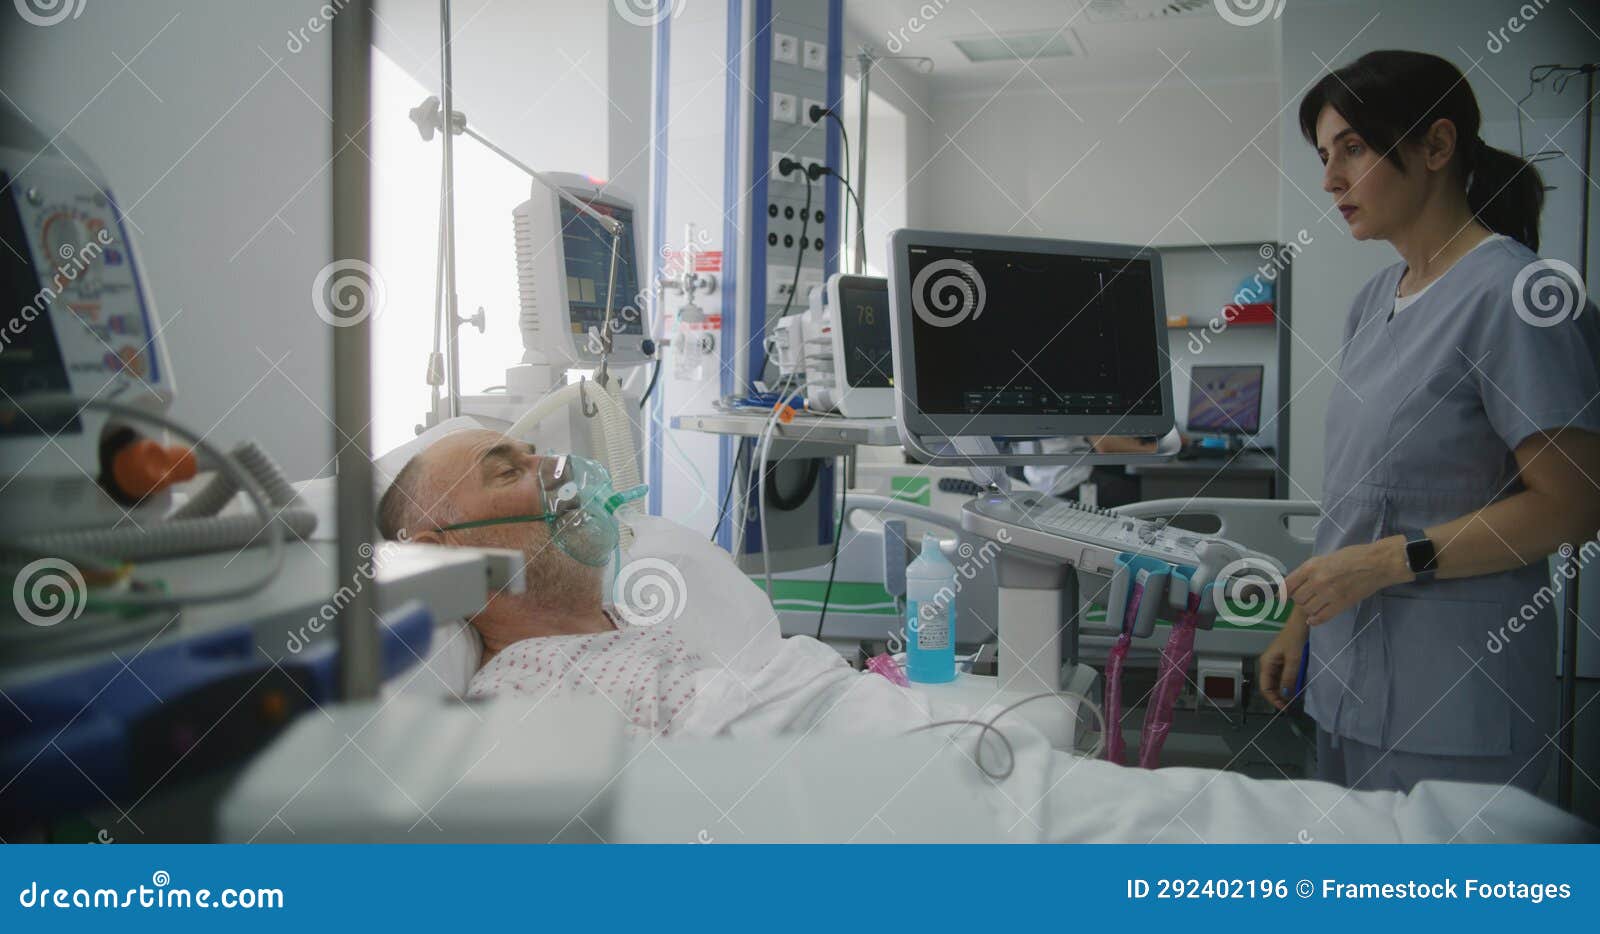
x=1463 y=447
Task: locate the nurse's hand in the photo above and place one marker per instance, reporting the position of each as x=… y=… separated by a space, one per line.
x=1279 y=665
x=1327 y=585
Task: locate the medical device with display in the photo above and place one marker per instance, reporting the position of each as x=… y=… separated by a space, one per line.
x=863 y=363
x=563 y=275
x=1027 y=337
x=76 y=320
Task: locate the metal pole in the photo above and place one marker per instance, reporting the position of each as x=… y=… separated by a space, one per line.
x=359 y=668
x=1567 y=736
x=864 y=63
x=452 y=318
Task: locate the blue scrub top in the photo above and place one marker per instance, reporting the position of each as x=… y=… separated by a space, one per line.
x=1427 y=408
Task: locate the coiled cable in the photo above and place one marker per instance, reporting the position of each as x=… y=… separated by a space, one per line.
x=171 y=538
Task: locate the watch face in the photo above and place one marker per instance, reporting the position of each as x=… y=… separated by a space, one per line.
x=1420 y=555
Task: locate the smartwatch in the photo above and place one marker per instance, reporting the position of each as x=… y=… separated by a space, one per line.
x=1421 y=557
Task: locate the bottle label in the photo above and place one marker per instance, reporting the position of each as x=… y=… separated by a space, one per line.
x=933 y=625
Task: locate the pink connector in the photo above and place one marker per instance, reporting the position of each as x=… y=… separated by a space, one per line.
x=886 y=665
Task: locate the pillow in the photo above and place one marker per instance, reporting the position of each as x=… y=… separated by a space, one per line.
x=712 y=603
x=320 y=495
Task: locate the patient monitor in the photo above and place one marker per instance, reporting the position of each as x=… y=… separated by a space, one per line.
x=564 y=283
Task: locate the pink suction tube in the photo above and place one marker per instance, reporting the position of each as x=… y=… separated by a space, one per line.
x=1169 y=682
x=1115 y=747
x=1115 y=662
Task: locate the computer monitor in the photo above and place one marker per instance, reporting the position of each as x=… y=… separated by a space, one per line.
x=1225 y=399
x=1027 y=337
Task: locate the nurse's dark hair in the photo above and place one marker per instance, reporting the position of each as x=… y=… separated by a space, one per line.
x=1390 y=97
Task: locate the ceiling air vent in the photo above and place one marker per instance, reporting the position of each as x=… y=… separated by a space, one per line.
x=1126 y=11
x=1046 y=43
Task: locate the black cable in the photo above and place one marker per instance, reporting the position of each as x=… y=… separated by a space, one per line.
x=833 y=562
x=827 y=170
x=733 y=477
x=655 y=374
x=845 y=137
x=792 y=501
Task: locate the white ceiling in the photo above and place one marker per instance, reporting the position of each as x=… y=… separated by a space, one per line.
x=1206 y=48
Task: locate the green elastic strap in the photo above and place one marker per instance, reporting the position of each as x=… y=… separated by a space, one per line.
x=481 y=523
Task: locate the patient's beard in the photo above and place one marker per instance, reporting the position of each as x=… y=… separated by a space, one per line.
x=562 y=596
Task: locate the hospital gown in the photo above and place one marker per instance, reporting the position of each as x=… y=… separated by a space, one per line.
x=649 y=674
x=663 y=681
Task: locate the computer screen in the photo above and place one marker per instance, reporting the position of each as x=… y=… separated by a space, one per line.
x=863 y=319
x=1042 y=334
x=587 y=247
x=1225 y=399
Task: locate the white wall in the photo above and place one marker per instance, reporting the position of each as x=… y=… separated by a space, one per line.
x=1160 y=166
x=215 y=140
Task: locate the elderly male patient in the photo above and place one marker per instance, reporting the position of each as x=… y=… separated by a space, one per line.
x=478 y=488
x=557 y=634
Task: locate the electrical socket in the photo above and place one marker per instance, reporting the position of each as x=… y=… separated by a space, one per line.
x=815 y=56
x=783 y=108
x=805 y=111
x=785 y=48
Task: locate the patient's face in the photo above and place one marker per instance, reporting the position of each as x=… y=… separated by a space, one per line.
x=482 y=474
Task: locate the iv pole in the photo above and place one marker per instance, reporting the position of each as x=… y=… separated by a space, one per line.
x=429 y=116
x=864 y=62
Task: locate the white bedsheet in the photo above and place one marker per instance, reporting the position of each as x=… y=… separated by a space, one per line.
x=806 y=689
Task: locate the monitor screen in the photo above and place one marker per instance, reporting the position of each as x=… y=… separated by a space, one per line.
x=30 y=357
x=1225 y=399
x=587 y=249
x=1044 y=334
x=863 y=318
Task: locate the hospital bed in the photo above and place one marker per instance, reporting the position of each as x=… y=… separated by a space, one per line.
x=420 y=764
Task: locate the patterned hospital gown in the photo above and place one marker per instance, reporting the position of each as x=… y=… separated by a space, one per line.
x=647 y=673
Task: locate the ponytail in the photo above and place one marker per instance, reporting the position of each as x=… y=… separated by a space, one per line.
x=1505 y=193
x=1390 y=97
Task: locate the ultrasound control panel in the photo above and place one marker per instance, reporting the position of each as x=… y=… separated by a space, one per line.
x=1083 y=536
